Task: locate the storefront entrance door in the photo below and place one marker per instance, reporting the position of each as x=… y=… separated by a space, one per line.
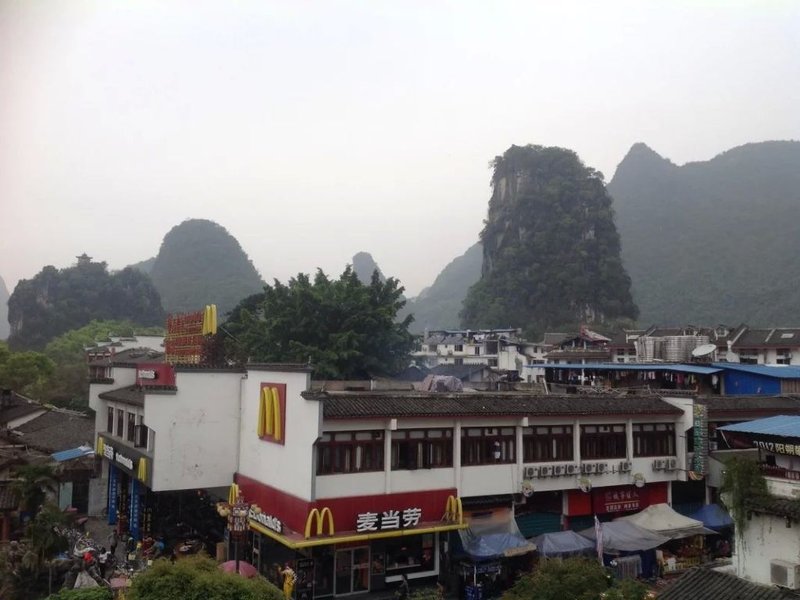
x=352 y=570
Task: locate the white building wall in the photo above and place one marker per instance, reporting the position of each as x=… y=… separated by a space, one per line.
x=196 y=437
x=290 y=466
x=766 y=538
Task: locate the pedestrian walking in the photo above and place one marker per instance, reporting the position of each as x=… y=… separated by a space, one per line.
x=113 y=540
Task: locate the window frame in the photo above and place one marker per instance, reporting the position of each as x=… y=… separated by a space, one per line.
x=429 y=450
x=341 y=452
x=654 y=441
x=120 y=423
x=607 y=441
x=110 y=420
x=478 y=445
x=548 y=446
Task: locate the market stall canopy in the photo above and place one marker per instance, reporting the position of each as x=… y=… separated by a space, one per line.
x=563 y=543
x=661 y=519
x=624 y=536
x=713 y=516
x=492 y=539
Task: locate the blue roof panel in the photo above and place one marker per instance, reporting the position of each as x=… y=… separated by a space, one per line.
x=782 y=425
x=72 y=453
x=777 y=371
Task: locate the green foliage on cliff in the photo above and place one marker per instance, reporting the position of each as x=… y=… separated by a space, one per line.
x=438 y=306
x=4 y=329
x=28 y=373
x=56 y=301
x=551 y=253
x=345 y=329
x=714 y=241
x=201 y=263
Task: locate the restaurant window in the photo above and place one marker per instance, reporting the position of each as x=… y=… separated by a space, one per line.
x=459 y=347
x=110 y=422
x=488 y=445
x=408 y=554
x=422 y=449
x=602 y=441
x=142 y=433
x=350 y=452
x=654 y=439
x=120 y=422
x=547 y=443
x=131 y=426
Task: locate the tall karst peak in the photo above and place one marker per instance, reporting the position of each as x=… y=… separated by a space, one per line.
x=551 y=252
x=4 y=327
x=364 y=266
x=200 y=263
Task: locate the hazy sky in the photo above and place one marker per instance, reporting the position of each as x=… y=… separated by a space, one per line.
x=312 y=130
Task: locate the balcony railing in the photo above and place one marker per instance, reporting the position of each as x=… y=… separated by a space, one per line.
x=779 y=472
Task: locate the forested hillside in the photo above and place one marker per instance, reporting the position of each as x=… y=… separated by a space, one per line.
x=714 y=241
x=550 y=248
x=56 y=301
x=438 y=306
x=4 y=328
x=201 y=263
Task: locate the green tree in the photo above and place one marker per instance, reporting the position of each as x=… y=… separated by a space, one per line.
x=742 y=484
x=42 y=531
x=31 y=484
x=344 y=328
x=26 y=372
x=573 y=579
x=198 y=578
x=55 y=301
x=98 y=593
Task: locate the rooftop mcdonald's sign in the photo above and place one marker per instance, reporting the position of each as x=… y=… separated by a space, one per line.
x=271 y=423
x=187 y=333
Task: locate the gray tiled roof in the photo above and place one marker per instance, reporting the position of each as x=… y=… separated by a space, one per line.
x=354 y=405
x=778 y=337
x=129 y=357
x=131 y=394
x=705 y=584
x=720 y=405
x=58 y=430
x=457 y=371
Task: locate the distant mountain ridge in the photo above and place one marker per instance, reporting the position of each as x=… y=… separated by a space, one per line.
x=4 y=326
x=712 y=241
x=200 y=263
x=364 y=266
x=438 y=306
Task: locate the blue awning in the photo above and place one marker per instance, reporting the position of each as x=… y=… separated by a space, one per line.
x=782 y=425
x=713 y=516
x=72 y=453
x=494 y=545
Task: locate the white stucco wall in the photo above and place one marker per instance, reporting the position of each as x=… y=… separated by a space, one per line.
x=196 y=431
x=766 y=538
x=288 y=467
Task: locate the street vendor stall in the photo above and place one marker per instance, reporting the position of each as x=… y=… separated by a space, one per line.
x=561 y=544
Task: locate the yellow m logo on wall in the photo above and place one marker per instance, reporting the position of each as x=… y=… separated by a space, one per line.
x=233 y=493
x=319 y=518
x=141 y=470
x=272 y=412
x=209 y=319
x=454 y=511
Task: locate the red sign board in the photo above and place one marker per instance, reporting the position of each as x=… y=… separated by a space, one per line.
x=623 y=498
x=184 y=340
x=154 y=375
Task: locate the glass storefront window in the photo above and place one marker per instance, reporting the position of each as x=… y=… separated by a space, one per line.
x=410 y=554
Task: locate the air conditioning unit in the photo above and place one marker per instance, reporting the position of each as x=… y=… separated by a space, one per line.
x=546 y=471
x=602 y=467
x=559 y=470
x=658 y=464
x=671 y=464
x=784 y=573
x=573 y=469
x=588 y=467
x=625 y=466
x=531 y=472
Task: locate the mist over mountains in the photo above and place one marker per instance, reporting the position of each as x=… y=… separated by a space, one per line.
x=712 y=241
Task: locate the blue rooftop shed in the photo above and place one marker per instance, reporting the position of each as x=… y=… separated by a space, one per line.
x=759 y=380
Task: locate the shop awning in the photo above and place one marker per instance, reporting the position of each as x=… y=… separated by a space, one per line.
x=563 y=543
x=624 y=536
x=484 y=540
x=713 y=516
x=663 y=520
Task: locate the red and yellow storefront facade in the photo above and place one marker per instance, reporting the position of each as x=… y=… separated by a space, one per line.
x=342 y=546
x=613 y=501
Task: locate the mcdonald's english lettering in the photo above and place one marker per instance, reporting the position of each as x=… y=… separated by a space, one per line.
x=268 y=521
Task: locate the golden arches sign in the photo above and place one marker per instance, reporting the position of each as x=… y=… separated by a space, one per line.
x=209 y=319
x=454 y=511
x=269 y=414
x=319 y=518
x=233 y=493
x=141 y=470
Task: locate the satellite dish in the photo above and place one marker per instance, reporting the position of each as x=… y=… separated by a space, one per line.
x=704 y=350
x=585 y=485
x=638 y=480
x=527 y=488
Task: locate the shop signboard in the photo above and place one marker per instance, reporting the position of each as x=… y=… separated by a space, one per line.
x=135 y=510
x=700 y=458
x=616 y=499
x=305 y=578
x=127 y=460
x=388 y=519
x=113 y=490
x=186 y=335
x=268 y=521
